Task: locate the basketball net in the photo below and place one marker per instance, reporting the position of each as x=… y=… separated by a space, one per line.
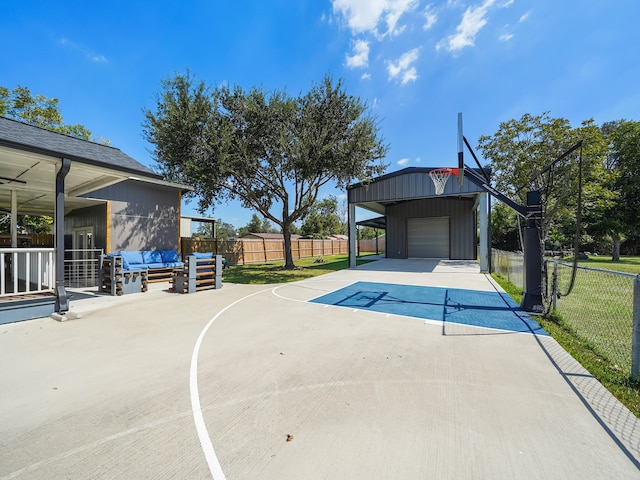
x=440 y=177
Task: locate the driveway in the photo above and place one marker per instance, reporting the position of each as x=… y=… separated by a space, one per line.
x=251 y=382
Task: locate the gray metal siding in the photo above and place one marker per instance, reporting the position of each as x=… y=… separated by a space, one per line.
x=143 y=216
x=407 y=186
x=396 y=237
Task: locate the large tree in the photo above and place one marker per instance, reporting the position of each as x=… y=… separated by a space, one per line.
x=521 y=150
x=624 y=136
x=271 y=151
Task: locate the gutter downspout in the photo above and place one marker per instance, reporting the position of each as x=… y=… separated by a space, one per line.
x=62 y=299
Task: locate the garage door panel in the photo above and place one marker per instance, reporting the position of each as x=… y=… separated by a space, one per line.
x=428 y=237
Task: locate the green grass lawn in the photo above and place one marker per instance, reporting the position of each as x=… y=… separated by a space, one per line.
x=626 y=264
x=272 y=272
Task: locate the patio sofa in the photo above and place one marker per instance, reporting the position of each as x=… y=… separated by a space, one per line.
x=130 y=271
x=160 y=264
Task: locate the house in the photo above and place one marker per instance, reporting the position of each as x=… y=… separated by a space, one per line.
x=99 y=198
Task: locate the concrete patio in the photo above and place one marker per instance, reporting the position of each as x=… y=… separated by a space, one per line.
x=252 y=382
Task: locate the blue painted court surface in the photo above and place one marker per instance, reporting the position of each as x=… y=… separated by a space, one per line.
x=469 y=307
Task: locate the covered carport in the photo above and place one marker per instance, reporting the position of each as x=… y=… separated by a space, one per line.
x=421 y=224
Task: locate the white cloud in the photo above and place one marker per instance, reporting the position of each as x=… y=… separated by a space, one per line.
x=403 y=68
x=89 y=55
x=410 y=75
x=397 y=8
x=473 y=19
x=525 y=16
x=506 y=37
x=360 y=57
x=430 y=17
x=361 y=15
x=366 y=76
x=366 y=15
x=403 y=161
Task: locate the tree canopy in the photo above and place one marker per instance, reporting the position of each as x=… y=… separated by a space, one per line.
x=271 y=151
x=258 y=225
x=40 y=111
x=521 y=150
x=322 y=220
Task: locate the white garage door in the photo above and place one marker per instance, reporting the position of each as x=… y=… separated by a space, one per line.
x=428 y=237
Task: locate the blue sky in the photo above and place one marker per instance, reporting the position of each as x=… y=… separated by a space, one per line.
x=415 y=63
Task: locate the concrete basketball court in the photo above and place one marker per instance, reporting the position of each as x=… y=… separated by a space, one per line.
x=256 y=382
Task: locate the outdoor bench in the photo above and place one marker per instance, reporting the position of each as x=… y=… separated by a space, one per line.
x=202 y=271
x=130 y=271
x=159 y=263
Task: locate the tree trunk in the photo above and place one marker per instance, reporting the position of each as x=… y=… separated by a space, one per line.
x=616 y=249
x=288 y=254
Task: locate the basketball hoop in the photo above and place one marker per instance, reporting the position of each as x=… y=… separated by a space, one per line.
x=440 y=177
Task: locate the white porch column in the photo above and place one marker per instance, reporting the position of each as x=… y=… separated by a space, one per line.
x=14 y=219
x=351 y=221
x=485 y=247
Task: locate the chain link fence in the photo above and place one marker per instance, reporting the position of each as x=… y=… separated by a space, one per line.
x=510 y=265
x=599 y=309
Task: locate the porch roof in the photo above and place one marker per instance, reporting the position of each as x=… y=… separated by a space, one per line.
x=30 y=157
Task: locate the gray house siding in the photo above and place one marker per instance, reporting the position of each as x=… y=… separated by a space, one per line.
x=462 y=225
x=95 y=217
x=143 y=216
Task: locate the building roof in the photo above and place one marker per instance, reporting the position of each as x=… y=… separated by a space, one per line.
x=19 y=135
x=405 y=185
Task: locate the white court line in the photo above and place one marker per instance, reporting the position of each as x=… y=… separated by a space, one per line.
x=198 y=418
x=274 y=291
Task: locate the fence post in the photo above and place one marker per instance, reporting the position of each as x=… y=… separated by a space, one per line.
x=635 y=342
x=554 y=286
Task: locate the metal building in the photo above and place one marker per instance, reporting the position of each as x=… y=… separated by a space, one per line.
x=421 y=224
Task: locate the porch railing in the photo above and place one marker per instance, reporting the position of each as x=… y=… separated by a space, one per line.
x=26 y=271
x=81 y=267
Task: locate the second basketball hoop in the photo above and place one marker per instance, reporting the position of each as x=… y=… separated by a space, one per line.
x=440 y=177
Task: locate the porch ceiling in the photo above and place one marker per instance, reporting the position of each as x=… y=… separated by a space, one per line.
x=33 y=176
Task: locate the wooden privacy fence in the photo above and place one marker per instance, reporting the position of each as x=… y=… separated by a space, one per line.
x=241 y=251
x=32 y=240
x=372 y=245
